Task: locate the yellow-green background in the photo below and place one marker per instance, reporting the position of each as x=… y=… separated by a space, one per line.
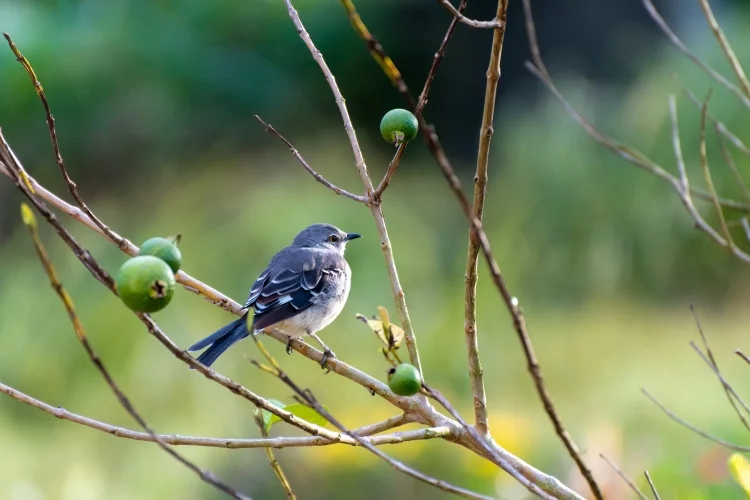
x=155 y=104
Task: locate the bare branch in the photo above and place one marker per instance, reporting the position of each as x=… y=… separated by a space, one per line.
x=684 y=193
x=56 y=147
x=229 y=443
x=392 y=166
x=275 y=465
x=625 y=478
x=375 y=208
x=307 y=167
x=391 y=423
x=732 y=395
x=707 y=174
x=726 y=47
x=691 y=55
x=651 y=485
x=732 y=166
x=723 y=130
x=480 y=189
x=693 y=428
x=497 y=23
x=208 y=477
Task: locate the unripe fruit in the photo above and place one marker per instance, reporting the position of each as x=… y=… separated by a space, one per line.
x=164 y=249
x=399 y=125
x=404 y=380
x=145 y=284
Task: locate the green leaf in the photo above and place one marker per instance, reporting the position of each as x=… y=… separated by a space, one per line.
x=740 y=469
x=266 y=415
x=302 y=411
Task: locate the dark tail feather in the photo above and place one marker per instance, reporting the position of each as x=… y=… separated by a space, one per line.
x=220 y=341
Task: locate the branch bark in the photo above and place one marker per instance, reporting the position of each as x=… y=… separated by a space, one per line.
x=480 y=189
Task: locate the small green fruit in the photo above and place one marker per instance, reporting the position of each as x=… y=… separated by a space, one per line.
x=399 y=125
x=145 y=284
x=164 y=249
x=404 y=380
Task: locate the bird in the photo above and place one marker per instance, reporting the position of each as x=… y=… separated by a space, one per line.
x=302 y=290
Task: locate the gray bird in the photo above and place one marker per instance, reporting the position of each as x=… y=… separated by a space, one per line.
x=303 y=289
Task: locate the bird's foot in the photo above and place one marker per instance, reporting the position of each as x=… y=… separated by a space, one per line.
x=289 y=345
x=327 y=354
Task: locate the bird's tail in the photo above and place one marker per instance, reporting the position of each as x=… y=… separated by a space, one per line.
x=220 y=341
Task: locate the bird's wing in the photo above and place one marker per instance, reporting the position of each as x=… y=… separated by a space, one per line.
x=290 y=284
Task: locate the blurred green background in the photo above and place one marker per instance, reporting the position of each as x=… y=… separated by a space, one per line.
x=154 y=104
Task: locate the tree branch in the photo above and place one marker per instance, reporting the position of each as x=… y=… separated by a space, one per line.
x=649 y=5
x=726 y=47
x=307 y=167
x=498 y=22
x=480 y=189
x=229 y=443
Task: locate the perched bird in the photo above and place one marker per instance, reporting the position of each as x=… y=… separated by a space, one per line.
x=303 y=289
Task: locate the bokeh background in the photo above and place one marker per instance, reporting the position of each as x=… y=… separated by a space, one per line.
x=154 y=104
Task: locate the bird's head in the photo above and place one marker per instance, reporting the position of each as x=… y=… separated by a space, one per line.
x=324 y=236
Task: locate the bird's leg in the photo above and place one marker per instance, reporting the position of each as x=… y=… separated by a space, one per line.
x=289 y=341
x=327 y=352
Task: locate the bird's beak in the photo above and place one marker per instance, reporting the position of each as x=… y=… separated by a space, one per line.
x=352 y=236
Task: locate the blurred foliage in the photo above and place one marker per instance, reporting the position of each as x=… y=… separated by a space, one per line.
x=154 y=102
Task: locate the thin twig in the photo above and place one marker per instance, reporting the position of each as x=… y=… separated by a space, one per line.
x=691 y=55
x=720 y=126
x=307 y=167
x=742 y=355
x=732 y=395
x=726 y=47
x=498 y=22
x=707 y=174
x=208 y=477
x=651 y=485
x=377 y=51
x=229 y=443
x=377 y=428
x=275 y=465
x=72 y=187
x=684 y=193
x=625 y=478
x=480 y=189
x=693 y=428
x=375 y=208
x=730 y=161
x=392 y=166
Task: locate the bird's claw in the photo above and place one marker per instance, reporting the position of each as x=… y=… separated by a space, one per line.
x=289 y=345
x=327 y=354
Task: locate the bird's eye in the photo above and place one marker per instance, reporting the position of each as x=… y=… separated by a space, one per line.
x=334 y=238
